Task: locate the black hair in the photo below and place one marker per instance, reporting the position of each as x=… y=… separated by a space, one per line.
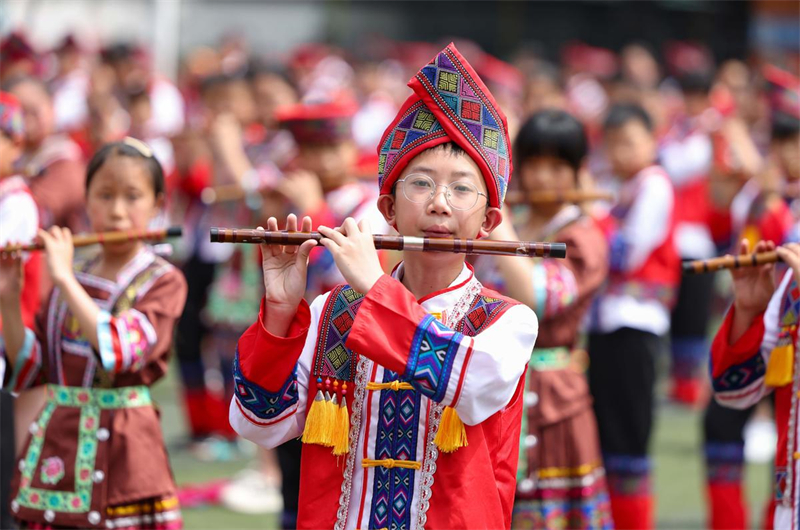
x=451 y=148
x=553 y=133
x=131 y=148
x=623 y=113
x=785 y=126
x=696 y=82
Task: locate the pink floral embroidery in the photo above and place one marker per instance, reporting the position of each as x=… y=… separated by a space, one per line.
x=34 y=497
x=83 y=397
x=84 y=474
x=89 y=424
x=52 y=470
x=76 y=502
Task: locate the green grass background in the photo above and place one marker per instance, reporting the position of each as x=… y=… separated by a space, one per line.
x=678 y=471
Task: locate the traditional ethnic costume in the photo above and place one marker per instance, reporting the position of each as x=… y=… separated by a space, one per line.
x=19 y=219
x=95 y=457
x=763 y=360
x=755 y=215
x=379 y=384
x=629 y=320
x=560 y=480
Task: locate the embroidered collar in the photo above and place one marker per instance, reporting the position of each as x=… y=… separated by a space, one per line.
x=445 y=299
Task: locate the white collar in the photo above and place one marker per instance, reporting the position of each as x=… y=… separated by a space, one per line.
x=444 y=299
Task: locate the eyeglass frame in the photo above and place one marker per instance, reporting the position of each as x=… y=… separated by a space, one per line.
x=447 y=191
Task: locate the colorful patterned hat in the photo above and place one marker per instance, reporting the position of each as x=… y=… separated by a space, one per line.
x=11 y=116
x=318 y=123
x=450 y=104
x=783 y=92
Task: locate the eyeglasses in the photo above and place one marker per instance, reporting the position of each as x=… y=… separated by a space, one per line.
x=460 y=195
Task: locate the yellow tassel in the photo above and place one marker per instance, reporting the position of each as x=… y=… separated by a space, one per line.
x=451 y=434
x=779 y=368
x=341 y=430
x=319 y=421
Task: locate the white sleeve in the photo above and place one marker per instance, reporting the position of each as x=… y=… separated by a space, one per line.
x=19 y=219
x=647 y=224
x=493 y=363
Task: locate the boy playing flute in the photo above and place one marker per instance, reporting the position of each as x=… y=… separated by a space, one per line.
x=407 y=389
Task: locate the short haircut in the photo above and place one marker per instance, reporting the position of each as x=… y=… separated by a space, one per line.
x=131 y=148
x=623 y=113
x=697 y=82
x=450 y=148
x=785 y=126
x=553 y=133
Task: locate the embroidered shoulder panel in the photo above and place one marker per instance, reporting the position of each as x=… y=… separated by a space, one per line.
x=483 y=312
x=332 y=359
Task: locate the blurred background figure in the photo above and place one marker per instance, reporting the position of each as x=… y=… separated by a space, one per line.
x=262 y=109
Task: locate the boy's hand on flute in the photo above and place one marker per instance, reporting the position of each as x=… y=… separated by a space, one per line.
x=284 y=270
x=790 y=254
x=59 y=253
x=353 y=250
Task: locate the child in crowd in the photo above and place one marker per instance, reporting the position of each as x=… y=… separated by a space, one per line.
x=631 y=316
x=95 y=456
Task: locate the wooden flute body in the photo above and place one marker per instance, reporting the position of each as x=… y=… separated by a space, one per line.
x=532 y=249
x=82 y=240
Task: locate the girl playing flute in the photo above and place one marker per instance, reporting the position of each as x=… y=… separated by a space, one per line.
x=407 y=389
x=95 y=457
x=561 y=475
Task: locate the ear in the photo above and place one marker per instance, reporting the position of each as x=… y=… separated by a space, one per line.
x=160 y=202
x=386 y=205
x=491 y=220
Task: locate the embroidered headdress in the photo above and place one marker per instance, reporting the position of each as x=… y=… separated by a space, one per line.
x=450 y=104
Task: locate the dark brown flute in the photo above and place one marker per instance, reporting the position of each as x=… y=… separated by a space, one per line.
x=82 y=240
x=549 y=197
x=531 y=249
x=730 y=262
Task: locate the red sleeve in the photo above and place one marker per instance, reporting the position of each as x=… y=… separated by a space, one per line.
x=392 y=309
x=724 y=355
x=776 y=223
x=267 y=360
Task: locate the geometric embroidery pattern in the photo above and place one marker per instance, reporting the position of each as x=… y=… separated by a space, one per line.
x=333 y=359
x=396 y=438
x=431 y=357
x=483 y=312
x=741 y=375
x=790 y=307
x=460 y=98
x=263 y=404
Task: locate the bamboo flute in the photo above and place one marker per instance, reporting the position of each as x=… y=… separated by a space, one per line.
x=532 y=249
x=82 y=240
x=730 y=262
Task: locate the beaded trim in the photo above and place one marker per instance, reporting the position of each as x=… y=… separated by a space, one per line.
x=355 y=427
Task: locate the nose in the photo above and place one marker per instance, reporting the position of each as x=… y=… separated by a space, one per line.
x=439 y=203
x=118 y=208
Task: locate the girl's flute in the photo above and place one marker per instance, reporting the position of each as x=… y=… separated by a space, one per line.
x=549 y=196
x=120 y=236
x=730 y=262
x=531 y=249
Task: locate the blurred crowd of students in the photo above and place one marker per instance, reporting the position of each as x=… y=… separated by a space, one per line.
x=697 y=153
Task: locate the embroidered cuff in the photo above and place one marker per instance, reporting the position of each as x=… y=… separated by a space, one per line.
x=725 y=355
x=260 y=403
